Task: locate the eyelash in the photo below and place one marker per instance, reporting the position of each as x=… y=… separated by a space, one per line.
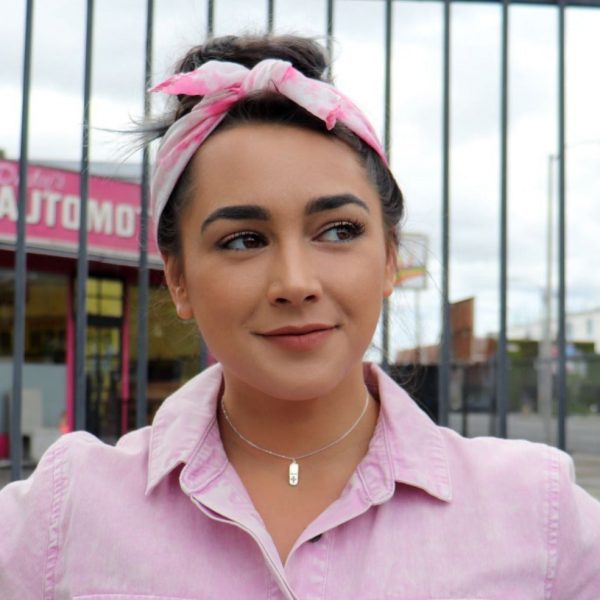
x=354 y=228
x=224 y=243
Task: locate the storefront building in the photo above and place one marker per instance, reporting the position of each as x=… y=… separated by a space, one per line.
x=52 y=222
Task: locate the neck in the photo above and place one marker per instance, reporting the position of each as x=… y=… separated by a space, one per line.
x=298 y=426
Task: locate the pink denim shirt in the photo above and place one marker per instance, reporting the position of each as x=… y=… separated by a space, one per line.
x=427 y=514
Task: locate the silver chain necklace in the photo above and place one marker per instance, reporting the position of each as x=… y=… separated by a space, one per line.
x=294 y=468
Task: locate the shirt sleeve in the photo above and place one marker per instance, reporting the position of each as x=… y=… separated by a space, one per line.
x=30 y=511
x=576 y=538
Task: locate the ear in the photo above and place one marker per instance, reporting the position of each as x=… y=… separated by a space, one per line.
x=177 y=288
x=391 y=269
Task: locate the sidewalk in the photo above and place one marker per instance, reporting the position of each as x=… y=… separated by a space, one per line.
x=5 y=472
x=587 y=470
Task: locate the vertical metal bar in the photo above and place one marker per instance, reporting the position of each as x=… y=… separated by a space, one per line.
x=141 y=395
x=270 y=15
x=387 y=114
x=444 y=358
x=545 y=377
x=125 y=354
x=210 y=21
x=387 y=77
x=70 y=342
x=562 y=338
x=210 y=30
x=82 y=260
x=329 y=24
x=502 y=356
x=203 y=357
x=202 y=354
x=16 y=443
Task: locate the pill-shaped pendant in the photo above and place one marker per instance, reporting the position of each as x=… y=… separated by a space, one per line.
x=294 y=474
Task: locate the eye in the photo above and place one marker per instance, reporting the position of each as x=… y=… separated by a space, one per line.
x=342 y=231
x=242 y=240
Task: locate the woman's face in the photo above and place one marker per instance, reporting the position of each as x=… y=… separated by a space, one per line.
x=284 y=258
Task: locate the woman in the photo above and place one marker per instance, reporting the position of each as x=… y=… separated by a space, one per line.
x=290 y=469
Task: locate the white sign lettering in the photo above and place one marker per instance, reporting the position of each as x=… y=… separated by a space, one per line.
x=8 y=204
x=100 y=217
x=124 y=220
x=70 y=212
x=53 y=209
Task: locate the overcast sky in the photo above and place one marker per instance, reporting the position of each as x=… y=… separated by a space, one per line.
x=56 y=110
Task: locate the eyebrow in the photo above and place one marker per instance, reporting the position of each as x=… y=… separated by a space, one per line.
x=237 y=213
x=332 y=202
x=258 y=213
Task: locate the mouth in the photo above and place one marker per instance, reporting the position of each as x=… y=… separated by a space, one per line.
x=294 y=330
x=299 y=338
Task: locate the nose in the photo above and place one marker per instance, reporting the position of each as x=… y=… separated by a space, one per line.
x=293 y=277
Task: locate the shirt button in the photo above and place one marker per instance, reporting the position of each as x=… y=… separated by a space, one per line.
x=316 y=538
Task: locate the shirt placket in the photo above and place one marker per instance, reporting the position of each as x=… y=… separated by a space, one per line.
x=278 y=586
x=214 y=488
x=308 y=566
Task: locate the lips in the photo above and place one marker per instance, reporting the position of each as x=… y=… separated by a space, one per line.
x=299 y=338
x=298 y=329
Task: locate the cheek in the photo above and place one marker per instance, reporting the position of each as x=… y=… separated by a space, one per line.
x=220 y=296
x=361 y=282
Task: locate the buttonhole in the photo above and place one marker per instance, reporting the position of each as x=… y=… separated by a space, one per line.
x=316 y=538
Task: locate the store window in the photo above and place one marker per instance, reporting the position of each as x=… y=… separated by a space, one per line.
x=174 y=347
x=104 y=297
x=45 y=316
x=7 y=298
x=104 y=355
x=44 y=365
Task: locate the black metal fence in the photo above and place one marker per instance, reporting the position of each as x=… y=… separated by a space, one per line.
x=444 y=374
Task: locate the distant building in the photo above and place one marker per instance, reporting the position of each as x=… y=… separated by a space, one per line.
x=52 y=231
x=466 y=349
x=473 y=364
x=582 y=326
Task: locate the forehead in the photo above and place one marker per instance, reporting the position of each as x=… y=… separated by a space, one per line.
x=276 y=164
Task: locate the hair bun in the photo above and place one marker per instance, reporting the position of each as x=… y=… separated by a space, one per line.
x=307 y=55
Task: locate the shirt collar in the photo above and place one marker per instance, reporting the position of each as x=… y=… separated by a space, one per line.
x=407 y=446
x=182 y=424
x=414 y=444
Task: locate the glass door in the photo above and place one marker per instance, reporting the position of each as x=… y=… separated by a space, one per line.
x=104 y=357
x=103 y=371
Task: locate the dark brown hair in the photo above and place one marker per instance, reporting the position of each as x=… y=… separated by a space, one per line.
x=309 y=58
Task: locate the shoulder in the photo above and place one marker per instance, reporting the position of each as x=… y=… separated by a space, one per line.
x=32 y=511
x=83 y=455
x=509 y=476
x=528 y=463
x=530 y=489
x=76 y=462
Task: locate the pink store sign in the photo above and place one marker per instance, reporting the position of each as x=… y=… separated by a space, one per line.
x=52 y=216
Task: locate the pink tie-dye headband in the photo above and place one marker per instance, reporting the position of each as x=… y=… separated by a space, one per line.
x=223 y=84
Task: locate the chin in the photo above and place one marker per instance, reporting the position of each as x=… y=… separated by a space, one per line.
x=283 y=390
x=296 y=380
